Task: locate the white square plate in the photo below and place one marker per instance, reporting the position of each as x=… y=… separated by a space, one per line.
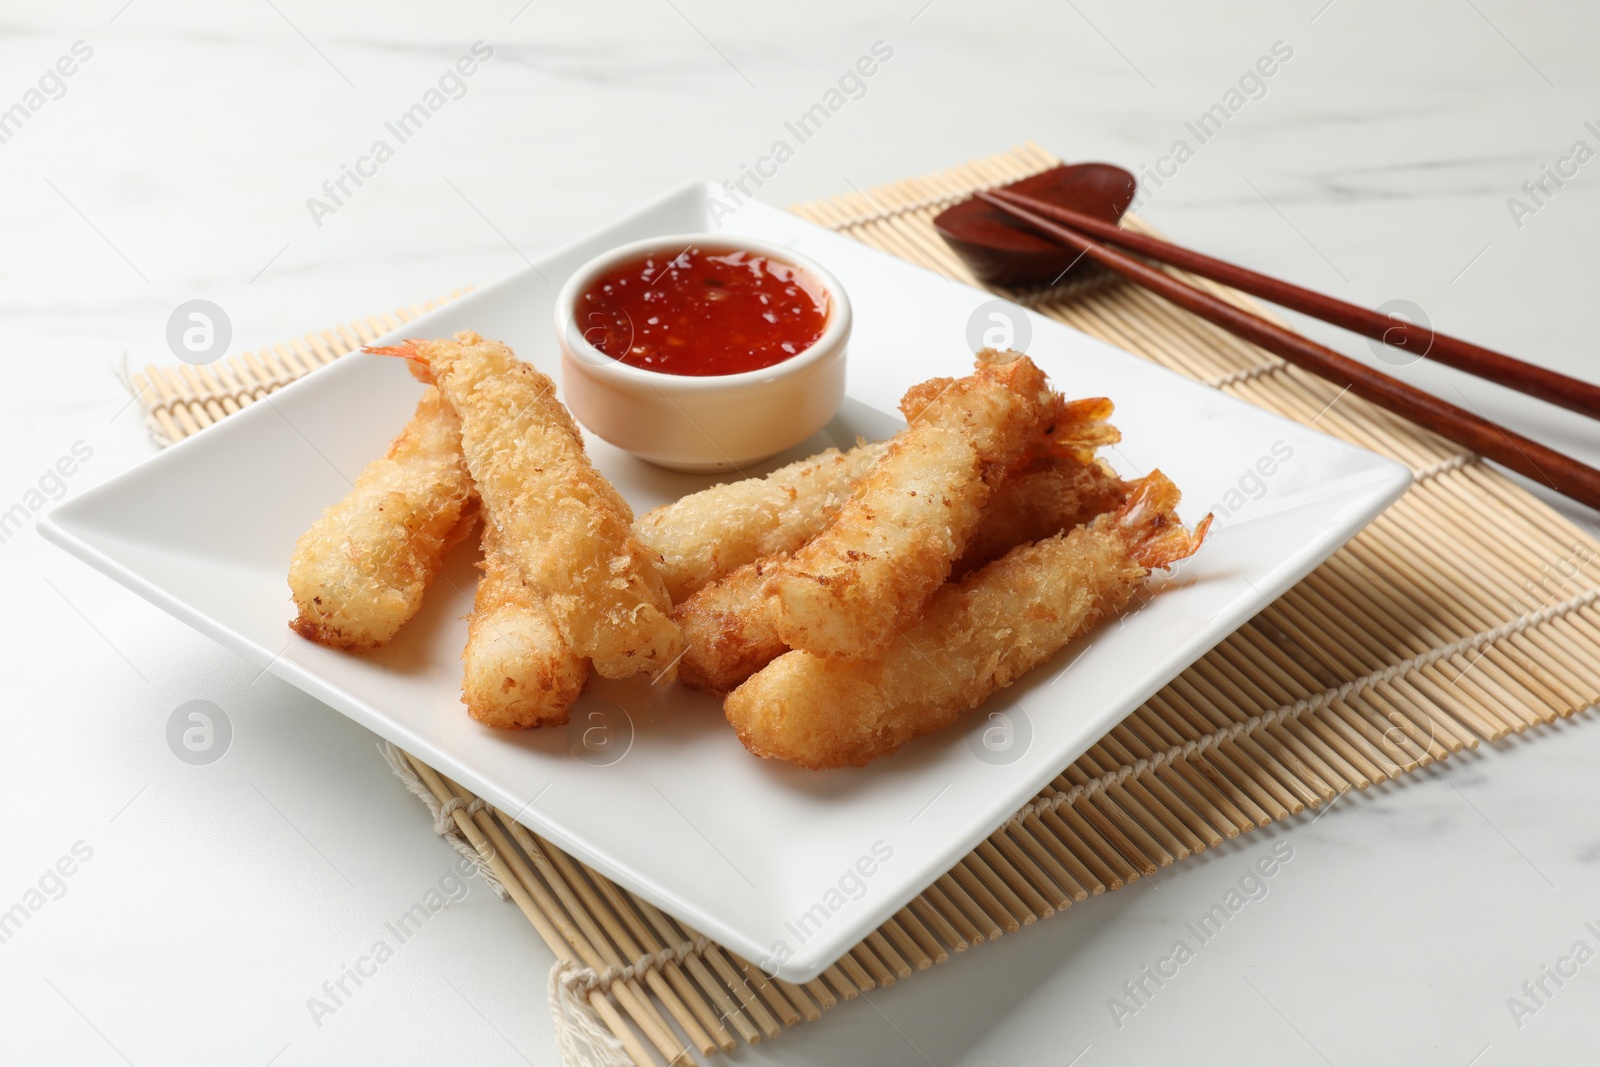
x=649 y=785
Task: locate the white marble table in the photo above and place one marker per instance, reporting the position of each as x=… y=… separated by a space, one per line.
x=176 y=161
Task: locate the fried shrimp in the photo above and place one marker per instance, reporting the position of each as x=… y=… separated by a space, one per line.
x=707 y=535
x=1046 y=496
x=565 y=529
x=358 y=574
x=518 y=671
x=975 y=637
x=730 y=633
x=894 y=541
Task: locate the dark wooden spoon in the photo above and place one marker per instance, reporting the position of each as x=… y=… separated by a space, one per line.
x=1003 y=252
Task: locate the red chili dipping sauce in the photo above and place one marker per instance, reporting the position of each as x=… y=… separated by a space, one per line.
x=708 y=311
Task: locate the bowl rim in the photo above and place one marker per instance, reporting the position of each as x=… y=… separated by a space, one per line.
x=577 y=350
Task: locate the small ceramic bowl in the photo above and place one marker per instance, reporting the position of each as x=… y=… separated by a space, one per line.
x=710 y=423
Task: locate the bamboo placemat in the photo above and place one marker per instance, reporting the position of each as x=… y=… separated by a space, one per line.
x=1467 y=611
x=185 y=399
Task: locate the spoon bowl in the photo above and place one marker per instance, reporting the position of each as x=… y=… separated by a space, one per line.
x=1005 y=253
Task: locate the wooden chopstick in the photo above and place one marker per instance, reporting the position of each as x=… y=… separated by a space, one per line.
x=1525 y=456
x=1552 y=386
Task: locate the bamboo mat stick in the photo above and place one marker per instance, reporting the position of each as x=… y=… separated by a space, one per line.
x=582 y=931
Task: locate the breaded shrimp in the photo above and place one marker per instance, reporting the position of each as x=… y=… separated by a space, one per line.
x=976 y=636
x=1046 y=496
x=730 y=633
x=358 y=574
x=518 y=669
x=894 y=541
x=564 y=527
x=707 y=535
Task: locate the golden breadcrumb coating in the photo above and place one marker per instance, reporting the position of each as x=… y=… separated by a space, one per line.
x=562 y=524
x=518 y=671
x=893 y=543
x=731 y=634
x=728 y=632
x=358 y=574
x=975 y=637
x=707 y=535
x=1041 y=499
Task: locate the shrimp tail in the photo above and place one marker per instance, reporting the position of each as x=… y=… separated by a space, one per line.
x=1081 y=427
x=407 y=350
x=1149 y=522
